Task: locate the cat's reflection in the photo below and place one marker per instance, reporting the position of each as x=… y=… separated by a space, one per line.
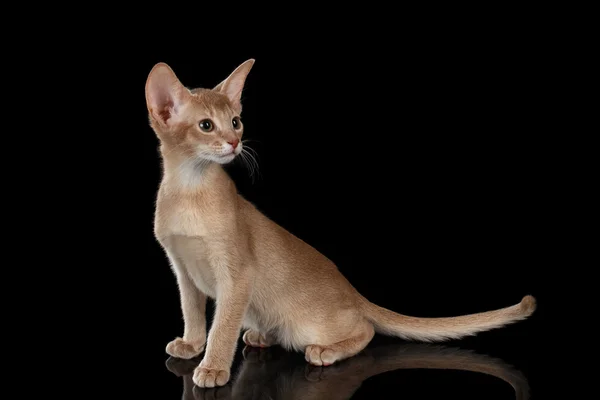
x=275 y=374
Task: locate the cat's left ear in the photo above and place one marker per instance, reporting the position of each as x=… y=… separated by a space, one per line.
x=234 y=84
x=165 y=94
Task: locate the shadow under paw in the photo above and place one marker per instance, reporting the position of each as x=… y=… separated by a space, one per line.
x=257 y=354
x=182 y=367
x=355 y=366
x=218 y=393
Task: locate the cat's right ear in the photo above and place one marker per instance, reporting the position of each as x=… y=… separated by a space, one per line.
x=234 y=84
x=165 y=95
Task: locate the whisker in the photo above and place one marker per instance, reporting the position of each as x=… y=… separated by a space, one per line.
x=249 y=164
x=244 y=162
x=253 y=151
x=250 y=140
x=251 y=160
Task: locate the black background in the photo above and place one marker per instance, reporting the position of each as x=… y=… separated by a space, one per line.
x=417 y=165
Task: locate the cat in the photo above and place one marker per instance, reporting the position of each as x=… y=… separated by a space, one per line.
x=269 y=374
x=262 y=278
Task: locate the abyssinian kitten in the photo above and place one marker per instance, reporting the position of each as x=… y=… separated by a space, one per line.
x=262 y=278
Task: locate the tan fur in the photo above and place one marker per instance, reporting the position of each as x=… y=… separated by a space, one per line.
x=279 y=376
x=262 y=277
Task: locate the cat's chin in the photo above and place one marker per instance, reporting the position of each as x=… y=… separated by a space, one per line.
x=224 y=159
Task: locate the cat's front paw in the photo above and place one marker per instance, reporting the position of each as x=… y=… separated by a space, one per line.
x=206 y=377
x=180 y=348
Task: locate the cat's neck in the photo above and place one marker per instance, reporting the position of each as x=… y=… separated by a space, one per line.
x=188 y=174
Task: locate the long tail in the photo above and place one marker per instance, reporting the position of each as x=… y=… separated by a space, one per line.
x=390 y=323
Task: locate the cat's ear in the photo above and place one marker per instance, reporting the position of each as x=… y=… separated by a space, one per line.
x=234 y=84
x=165 y=95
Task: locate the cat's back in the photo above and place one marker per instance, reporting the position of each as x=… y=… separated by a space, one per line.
x=284 y=256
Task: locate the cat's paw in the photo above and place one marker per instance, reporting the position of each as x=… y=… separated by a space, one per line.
x=255 y=339
x=180 y=348
x=320 y=355
x=206 y=377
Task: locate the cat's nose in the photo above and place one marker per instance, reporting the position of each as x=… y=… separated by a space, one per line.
x=234 y=143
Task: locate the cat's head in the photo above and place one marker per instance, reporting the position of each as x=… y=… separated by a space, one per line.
x=202 y=124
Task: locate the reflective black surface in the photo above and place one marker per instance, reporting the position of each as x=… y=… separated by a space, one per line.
x=383 y=370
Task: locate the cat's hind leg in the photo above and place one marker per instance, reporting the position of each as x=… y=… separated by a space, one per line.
x=325 y=355
x=256 y=339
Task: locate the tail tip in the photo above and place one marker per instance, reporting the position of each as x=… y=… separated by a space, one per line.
x=528 y=304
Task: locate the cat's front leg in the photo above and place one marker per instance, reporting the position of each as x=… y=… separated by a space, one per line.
x=193 y=307
x=232 y=300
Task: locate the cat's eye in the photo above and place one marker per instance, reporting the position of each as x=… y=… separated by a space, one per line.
x=206 y=125
x=237 y=124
